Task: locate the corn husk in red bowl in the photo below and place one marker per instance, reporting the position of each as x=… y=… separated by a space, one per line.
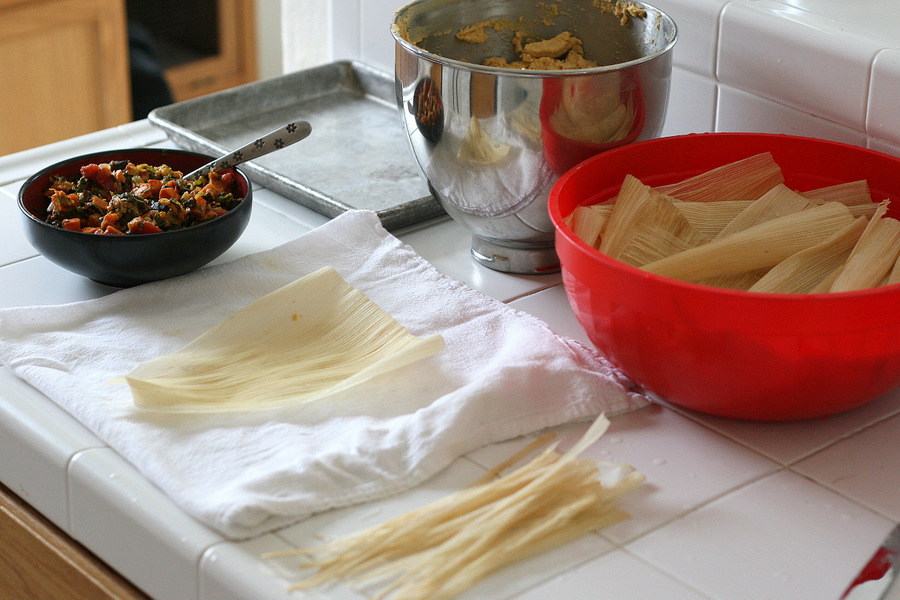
x=739 y=354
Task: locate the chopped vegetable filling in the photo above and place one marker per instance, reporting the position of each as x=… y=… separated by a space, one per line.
x=121 y=198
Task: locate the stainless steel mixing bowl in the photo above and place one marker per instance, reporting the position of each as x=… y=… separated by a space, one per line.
x=492 y=141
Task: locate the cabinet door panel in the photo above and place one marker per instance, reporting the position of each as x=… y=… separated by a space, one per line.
x=63 y=70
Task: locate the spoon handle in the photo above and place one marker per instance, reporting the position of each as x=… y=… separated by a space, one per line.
x=274 y=140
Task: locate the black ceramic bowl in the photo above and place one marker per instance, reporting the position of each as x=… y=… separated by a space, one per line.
x=127 y=260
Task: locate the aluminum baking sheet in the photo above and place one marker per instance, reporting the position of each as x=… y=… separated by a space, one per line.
x=355 y=158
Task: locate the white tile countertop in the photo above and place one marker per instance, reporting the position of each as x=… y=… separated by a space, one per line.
x=730 y=510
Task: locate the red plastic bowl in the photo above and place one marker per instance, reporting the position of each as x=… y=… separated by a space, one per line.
x=732 y=353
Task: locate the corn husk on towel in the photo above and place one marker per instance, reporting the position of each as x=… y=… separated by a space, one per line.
x=309 y=339
x=742 y=228
x=501 y=374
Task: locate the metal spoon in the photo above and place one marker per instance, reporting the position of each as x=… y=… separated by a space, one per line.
x=275 y=140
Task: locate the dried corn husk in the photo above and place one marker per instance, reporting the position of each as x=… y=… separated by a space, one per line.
x=851 y=193
x=745 y=179
x=777 y=202
x=300 y=343
x=710 y=218
x=641 y=213
x=803 y=271
x=643 y=231
x=825 y=285
x=894 y=277
x=736 y=281
x=873 y=256
x=863 y=210
x=757 y=247
x=652 y=244
x=589 y=222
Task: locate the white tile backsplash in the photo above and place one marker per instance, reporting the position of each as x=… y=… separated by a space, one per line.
x=692 y=103
x=765 y=53
x=698 y=33
x=740 y=110
x=883 y=120
x=881 y=145
x=823 y=68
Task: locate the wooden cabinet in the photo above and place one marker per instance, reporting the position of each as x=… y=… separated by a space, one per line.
x=40 y=562
x=207 y=45
x=63 y=70
x=64 y=64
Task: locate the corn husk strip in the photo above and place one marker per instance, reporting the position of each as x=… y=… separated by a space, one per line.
x=710 y=218
x=641 y=210
x=757 y=247
x=777 y=202
x=469 y=556
x=440 y=550
x=745 y=179
x=298 y=344
x=496 y=470
x=851 y=193
x=873 y=256
x=802 y=272
x=589 y=222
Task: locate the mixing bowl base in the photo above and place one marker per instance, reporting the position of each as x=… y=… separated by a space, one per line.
x=531 y=259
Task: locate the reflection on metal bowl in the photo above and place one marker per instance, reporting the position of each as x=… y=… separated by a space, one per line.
x=492 y=141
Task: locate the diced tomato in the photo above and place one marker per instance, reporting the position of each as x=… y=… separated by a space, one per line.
x=101 y=175
x=73 y=224
x=90 y=171
x=155 y=186
x=168 y=192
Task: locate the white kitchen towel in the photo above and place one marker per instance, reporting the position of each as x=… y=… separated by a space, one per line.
x=502 y=374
